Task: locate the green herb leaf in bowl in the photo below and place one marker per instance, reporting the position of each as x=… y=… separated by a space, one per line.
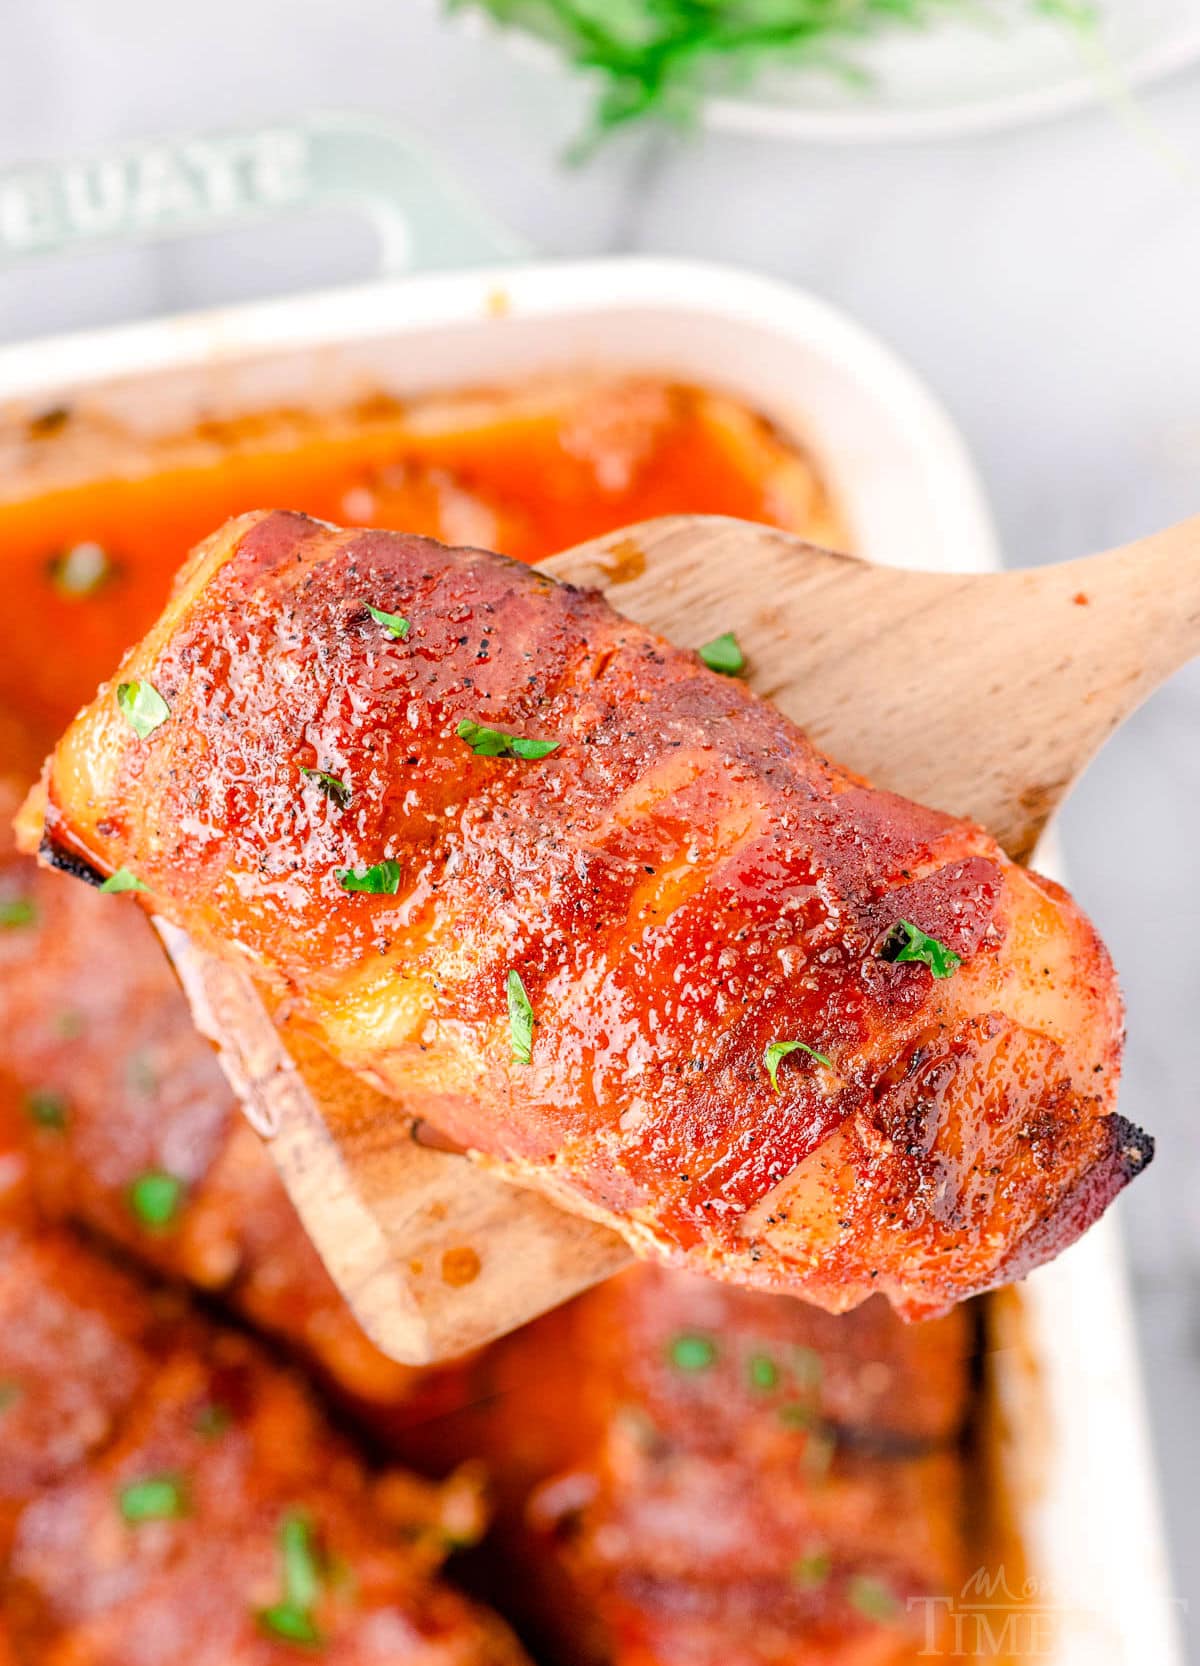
x=663 y=58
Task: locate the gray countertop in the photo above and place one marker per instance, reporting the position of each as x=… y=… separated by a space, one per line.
x=1046 y=283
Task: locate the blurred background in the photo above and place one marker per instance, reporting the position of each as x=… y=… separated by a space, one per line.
x=1043 y=278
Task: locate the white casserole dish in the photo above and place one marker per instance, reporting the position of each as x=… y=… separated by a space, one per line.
x=1075 y=1448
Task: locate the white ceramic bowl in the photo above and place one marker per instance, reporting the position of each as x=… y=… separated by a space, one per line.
x=954 y=77
x=958 y=78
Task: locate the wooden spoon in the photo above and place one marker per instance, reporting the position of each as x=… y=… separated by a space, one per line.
x=984 y=695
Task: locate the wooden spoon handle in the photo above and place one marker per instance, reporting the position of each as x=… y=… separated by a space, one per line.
x=1073 y=650
x=1138 y=618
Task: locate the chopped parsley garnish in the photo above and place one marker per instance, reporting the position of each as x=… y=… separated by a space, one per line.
x=329 y=784
x=381 y=879
x=143 y=707
x=812 y=1570
x=17 y=911
x=906 y=941
x=777 y=1051
x=81 y=569
x=520 y=1019
x=156 y=1198
x=495 y=743
x=691 y=1352
x=393 y=624
x=47 y=1109
x=723 y=654
x=301 y=1574
x=294 y=1625
x=212 y=1420
x=762 y=1372
x=873 y=1598
x=158 y=1498
x=123 y=880
x=292 y=1618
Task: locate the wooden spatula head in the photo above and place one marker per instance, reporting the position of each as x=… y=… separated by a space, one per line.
x=984 y=695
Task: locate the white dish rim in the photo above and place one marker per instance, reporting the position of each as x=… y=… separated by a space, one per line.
x=773 y=120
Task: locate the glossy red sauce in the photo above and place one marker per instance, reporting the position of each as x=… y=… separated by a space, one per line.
x=527 y=474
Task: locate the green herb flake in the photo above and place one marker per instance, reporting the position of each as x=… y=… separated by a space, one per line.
x=292 y=1618
x=396 y=627
x=16 y=912
x=693 y=1352
x=212 y=1420
x=329 y=784
x=122 y=880
x=46 y=1109
x=381 y=879
x=812 y=1570
x=294 y=1625
x=874 y=1598
x=762 y=1372
x=723 y=654
x=80 y=570
x=777 y=1051
x=10 y=1393
x=158 y=1498
x=301 y=1573
x=143 y=707
x=495 y=743
x=156 y=1198
x=520 y=1019
x=907 y=942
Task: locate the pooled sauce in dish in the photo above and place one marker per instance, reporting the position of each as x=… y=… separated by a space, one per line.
x=94 y=524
